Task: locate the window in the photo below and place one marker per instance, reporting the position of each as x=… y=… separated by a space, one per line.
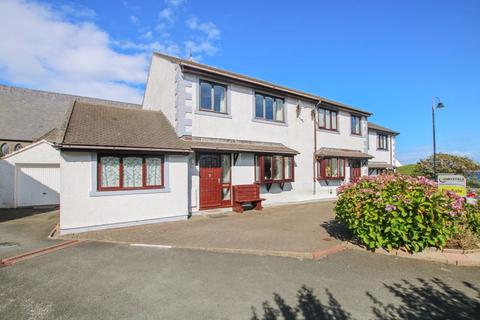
x=269 y=108
x=130 y=172
x=274 y=168
x=331 y=168
x=213 y=97
x=382 y=142
x=327 y=119
x=5 y=149
x=18 y=146
x=356 y=121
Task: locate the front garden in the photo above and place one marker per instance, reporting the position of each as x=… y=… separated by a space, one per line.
x=398 y=211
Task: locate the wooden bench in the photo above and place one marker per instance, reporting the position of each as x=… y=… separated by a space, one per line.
x=246 y=193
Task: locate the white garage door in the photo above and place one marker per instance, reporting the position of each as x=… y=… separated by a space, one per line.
x=38 y=185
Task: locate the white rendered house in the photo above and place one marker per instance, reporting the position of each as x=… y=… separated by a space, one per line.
x=296 y=145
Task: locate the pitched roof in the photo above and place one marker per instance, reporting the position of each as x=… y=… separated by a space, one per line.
x=96 y=126
x=378 y=127
x=28 y=114
x=191 y=65
x=216 y=144
x=342 y=153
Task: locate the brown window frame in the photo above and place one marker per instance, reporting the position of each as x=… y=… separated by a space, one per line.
x=260 y=159
x=379 y=144
x=144 y=171
x=212 y=89
x=321 y=169
x=324 y=127
x=359 y=133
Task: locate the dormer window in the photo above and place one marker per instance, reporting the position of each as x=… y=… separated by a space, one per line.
x=382 y=142
x=213 y=97
x=356 y=125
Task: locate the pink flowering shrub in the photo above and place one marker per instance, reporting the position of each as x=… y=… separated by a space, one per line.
x=394 y=211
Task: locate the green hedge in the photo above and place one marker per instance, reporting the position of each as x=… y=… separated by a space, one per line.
x=394 y=211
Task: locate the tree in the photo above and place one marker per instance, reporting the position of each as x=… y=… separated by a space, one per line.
x=446 y=163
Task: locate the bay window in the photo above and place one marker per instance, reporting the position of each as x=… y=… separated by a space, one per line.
x=327 y=119
x=382 y=142
x=213 y=97
x=355 y=123
x=269 y=108
x=331 y=168
x=274 y=168
x=129 y=172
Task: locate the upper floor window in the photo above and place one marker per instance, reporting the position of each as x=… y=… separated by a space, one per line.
x=274 y=168
x=5 y=149
x=130 y=172
x=213 y=97
x=327 y=119
x=331 y=168
x=356 y=128
x=382 y=142
x=269 y=108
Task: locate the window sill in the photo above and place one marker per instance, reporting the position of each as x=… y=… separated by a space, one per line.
x=328 y=131
x=379 y=149
x=356 y=135
x=277 y=123
x=274 y=181
x=330 y=178
x=213 y=114
x=128 y=192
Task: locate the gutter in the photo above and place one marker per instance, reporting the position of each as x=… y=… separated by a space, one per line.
x=87 y=147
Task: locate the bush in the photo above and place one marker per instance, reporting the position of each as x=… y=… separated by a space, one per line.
x=472 y=214
x=394 y=211
x=467 y=233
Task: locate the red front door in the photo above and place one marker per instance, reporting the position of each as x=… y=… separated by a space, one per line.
x=210 y=181
x=355 y=169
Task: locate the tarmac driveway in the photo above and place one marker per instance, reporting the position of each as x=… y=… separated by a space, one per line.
x=23 y=230
x=290 y=230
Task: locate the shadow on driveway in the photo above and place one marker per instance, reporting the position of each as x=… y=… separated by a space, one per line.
x=23 y=230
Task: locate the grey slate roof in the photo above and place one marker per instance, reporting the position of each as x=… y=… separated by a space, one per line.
x=379 y=165
x=378 y=127
x=27 y=114
x=216 y=144
x=342 y=153
x=96 y=126
x=199 y=67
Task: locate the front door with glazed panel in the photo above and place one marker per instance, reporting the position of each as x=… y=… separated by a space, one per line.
x=215 y=180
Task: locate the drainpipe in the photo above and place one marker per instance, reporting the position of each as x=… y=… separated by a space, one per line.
x=314 y=167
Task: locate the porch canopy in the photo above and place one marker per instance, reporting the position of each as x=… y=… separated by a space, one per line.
x=342 y=153
x=379 y=165
x=230 y=145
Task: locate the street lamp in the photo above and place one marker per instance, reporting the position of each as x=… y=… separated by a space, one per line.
x=438 y=105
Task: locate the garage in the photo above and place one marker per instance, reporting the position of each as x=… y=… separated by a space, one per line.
x=37 y=185
x=30 y=176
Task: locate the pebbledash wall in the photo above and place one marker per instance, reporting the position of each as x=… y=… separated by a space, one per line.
x=83 y=208
x=175 y=93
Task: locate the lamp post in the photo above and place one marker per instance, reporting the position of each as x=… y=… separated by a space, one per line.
x=438 y=105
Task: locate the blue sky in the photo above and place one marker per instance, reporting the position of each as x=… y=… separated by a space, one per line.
x=388 y=57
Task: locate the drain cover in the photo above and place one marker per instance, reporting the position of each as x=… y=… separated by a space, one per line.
x=8 y=244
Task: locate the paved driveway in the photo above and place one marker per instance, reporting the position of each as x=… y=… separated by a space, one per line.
x=296 y=230
x=23 y=230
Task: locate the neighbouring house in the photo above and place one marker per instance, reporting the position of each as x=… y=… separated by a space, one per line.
x=381 y=145
x=200 y=131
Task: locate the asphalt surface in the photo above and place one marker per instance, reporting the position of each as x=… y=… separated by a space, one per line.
x=112 y=281
x=23 y=230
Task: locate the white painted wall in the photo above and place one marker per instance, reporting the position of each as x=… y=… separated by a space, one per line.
x=297 y=133
x=37 y=154
x=83 y=208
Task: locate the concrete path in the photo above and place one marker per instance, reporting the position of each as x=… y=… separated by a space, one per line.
x=292 y=230
x=23 y=230
x=112 y=281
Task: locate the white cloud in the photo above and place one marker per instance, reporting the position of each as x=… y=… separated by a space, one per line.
x=204 y=43
x=209 y=29
x=134 y=19
x=43 y=48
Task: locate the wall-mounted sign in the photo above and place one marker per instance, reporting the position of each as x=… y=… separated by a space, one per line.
x=453 y=182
